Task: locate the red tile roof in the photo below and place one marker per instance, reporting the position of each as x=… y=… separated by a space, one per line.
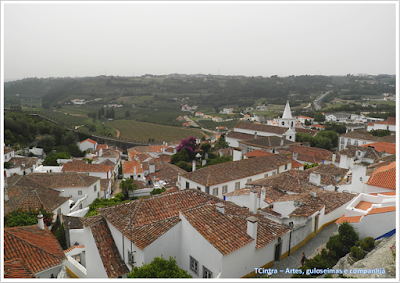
x=310 y=154
x=258 y=153
x=384 y=177
x=24 y=193
x=129 y=167
x=382 y=146
x=382 y=210
x=38 y=248
x=364 y=135
x=89 y=140
x=108 y=251
x=17 y=268
x=63 y=180
x=229 y=171
x=73 y=247
x=102 y=146
x=78 y=166
x=349 y=219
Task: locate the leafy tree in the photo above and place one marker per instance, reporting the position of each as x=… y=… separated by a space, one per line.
x=331 y=135
x=341 y=243
x=90 y=126
x=221 y=142
x=25 y=217
x=68 y=139
x=158 y=191
x=307 y=122
x=338 y=128
x=97 y=203
x=184 y=165
x=319 y=117
x=189 y=145
x=47 y=142
x=159 y=268
x=380 y=133
x=127 y=185
x=321 y=142
x=7 y=165
x=303 y=137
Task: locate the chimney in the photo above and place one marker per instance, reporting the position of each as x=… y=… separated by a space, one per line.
x=220 y=207
x=6 y=192
x=134 y=172
x=101 y=152
x=152 y=168
x=40 y=221
x=193 y=165
x=255 y=135
x=295 y=155
x=262 y=195
x=62 y=193
x=253 y=201
x=333 y=158
x=282 y=141
x=237 y=154
x=220 y=152
x=252 y=227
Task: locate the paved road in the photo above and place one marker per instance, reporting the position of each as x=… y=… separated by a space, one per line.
x=317 y=101
x=293 y=261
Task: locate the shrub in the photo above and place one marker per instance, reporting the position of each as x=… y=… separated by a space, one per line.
x=158 y=191
x=357 y=253
x=363 y=245
x=370 y=242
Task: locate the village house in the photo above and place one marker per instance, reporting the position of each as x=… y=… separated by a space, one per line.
x=87 y=144
x=32 y=252
x=372 y=215
x=308 y=155
x=362 y=137
x=21 y=192
x=337 y=117
x=384 y=148
x=8 y=153
x=270 y=144
x=21 y=165
x=302 y=119
x=134 y=170
x=223 y=178
x=81 y=188
x=153 y=227
x=389 y=124
x=95 y=170
x=352 y=154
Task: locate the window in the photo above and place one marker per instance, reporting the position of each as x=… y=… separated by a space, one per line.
x=215 y=191
x=138 y=176
x=283 y=123
x=131 y=258
x=273 y=173
x=194 y=265
x=248 y=180
x=206 y=272
x=265 y=175
x=237 y=185
x=285 y=166
x=95 y=187
x=187 y=185
x=98 y=194
x=199 y=188
x=80 y=206
x=341 y=141
x=348 y=141
x=80 y=192
x=356 y=142
x=224 y=189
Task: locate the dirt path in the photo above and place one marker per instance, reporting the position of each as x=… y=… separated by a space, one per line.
x=118 y=133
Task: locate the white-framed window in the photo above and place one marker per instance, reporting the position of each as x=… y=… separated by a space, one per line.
x=224 y=189
x=131 y=258
x=237 y=185
x=98 y=194
x=187 y=185
x=95 y=187
x=194 y=265
x=215 y=191
x=341 y=141
x=80 y=192
x=356 y=142
x=207 y=273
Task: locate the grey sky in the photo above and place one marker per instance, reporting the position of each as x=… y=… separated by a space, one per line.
x=234 y=38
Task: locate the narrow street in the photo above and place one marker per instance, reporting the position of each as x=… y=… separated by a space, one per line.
x=310 y=249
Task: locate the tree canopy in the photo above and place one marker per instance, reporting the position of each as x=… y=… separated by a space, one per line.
x=25 y=217
x=159 y=268
x=127 y=185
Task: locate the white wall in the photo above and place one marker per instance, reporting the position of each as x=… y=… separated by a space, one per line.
x=76 y=236
x=79 y=213
x=76 y=267
x=73 y=192
x=64 y=210
x=48 y=169
x=47 y=273
x=195 y=245
x=94 y=264
x=87 y=145
x=376 y=225
x=284 y=207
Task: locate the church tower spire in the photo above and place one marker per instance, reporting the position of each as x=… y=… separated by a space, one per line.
x=287 y=120
x=287 y=114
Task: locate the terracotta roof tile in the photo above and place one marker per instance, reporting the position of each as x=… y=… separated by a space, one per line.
x=63 y=180
x=129 y=167
x=102 y=146
x=72 y=222
x=17 y=268
x=364 y=135
x=351 y=152
x=261 y=128
x=382 y=210
x=382 y=146
x=349 y=219
x=267 y=142
x=307 y=131
x=310 y=154
x=72 y=248
x=168 y=173
x=78 y=166
x=328 y=172
x=384 y=177
x=24 y=193
x=38 y=248
x=258 y=153
x=228 y=171
x=239 y=136
x=89 y=140
x=109 y=254
x=27 y=161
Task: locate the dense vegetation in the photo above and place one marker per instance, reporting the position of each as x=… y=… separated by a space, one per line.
x=323 y=139
x=25 y=217
x=159 y=268
x=97 y=203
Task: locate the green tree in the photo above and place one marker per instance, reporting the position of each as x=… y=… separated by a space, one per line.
x=380 y=133
x=25 y=217
x=68 y=138
x=127 y=185
x=319 y=117
x=338 y=128
x=157 y=191
x=47 y=142
x=159 y=268
x=341 y=243
x=331 y=135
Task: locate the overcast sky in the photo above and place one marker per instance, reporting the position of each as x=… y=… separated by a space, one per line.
x=234 y=38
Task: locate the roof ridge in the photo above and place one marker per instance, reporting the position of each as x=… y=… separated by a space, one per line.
x=32 y=245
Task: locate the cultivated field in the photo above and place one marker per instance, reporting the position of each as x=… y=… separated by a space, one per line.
x=141 y=131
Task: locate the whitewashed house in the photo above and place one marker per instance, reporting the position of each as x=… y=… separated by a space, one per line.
x=96 y=170
x=361 y=138
x=87 y=144
x=389 y=124
x=22 y=165
x=8 y=153
x=223 y=178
